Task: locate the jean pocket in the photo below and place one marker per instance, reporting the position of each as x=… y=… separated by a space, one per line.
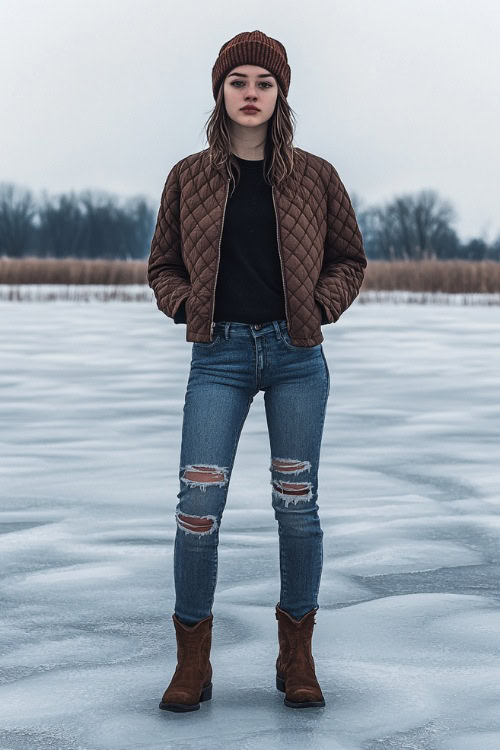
x=288 y=343
x=207 y=344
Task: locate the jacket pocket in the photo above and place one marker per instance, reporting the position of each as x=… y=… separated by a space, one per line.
x=180 y=315
x=188 y=307
x=323 y=304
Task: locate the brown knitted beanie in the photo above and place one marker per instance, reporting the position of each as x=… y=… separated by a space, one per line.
x=252 y=48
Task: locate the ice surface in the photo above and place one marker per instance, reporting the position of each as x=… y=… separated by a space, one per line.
x=407 y=641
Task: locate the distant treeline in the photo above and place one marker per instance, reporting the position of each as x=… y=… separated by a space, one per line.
x=99 y=225
x=89 y=224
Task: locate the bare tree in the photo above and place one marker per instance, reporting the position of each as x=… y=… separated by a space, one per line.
x=17 y=212
x=60 y=226
x=412 y=227
x=432 y=218
x=142 y=217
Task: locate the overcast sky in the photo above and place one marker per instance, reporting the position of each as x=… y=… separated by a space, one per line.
x=398 y=95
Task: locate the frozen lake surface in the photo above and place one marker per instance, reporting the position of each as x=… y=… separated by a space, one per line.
x=407 y=641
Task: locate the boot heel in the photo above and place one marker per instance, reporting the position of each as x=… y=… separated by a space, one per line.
x=206 y=693
x=280 y=683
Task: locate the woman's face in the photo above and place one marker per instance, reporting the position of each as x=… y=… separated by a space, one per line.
x=250 y=85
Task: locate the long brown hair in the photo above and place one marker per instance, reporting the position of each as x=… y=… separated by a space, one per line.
x=280 y=154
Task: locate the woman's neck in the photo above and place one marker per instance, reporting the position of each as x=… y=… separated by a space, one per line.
x=249 y=146
x=249 y=157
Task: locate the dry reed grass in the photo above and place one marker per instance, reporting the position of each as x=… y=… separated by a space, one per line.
x=71 y=271
x=413 y=281
x=447 y=276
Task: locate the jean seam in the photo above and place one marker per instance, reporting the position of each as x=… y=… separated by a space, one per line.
x=326 y=394
x=231 y=463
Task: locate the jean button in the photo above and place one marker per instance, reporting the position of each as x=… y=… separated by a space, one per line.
x=258 y=326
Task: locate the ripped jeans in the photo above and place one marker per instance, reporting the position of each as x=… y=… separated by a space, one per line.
x=225 y=375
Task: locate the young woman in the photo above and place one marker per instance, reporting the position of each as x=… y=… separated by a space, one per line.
x=256 y=246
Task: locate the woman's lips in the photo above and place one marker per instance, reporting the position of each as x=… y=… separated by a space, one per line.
x=249 y=111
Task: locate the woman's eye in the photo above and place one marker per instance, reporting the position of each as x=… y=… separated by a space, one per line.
x=264 y=83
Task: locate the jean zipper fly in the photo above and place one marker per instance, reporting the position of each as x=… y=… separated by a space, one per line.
x=212 y=324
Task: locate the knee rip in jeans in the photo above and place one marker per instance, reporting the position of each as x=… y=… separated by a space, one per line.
x=196 y=524
x=291 y=492
x=201 y=476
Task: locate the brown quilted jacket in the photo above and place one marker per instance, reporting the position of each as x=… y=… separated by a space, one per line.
x=320 y=245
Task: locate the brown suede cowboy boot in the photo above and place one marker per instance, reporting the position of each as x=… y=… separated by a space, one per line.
x=295 y=675
x=192 y=680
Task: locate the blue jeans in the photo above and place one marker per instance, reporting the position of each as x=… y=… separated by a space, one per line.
x=225 y=375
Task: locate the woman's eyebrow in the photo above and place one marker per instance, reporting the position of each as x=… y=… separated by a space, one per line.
x=244 y=75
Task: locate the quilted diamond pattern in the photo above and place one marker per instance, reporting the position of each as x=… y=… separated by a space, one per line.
x=319 y=239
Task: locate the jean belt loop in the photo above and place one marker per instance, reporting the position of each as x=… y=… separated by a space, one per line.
x=277 y=329
x=226 y=330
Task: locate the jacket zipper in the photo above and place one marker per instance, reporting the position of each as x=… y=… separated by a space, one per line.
x=281 y=260
x=212 y=324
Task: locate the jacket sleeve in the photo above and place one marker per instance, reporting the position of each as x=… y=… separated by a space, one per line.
x=344 y=259
x=167 y=275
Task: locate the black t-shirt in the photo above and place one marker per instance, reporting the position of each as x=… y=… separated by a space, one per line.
x=249 y=282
